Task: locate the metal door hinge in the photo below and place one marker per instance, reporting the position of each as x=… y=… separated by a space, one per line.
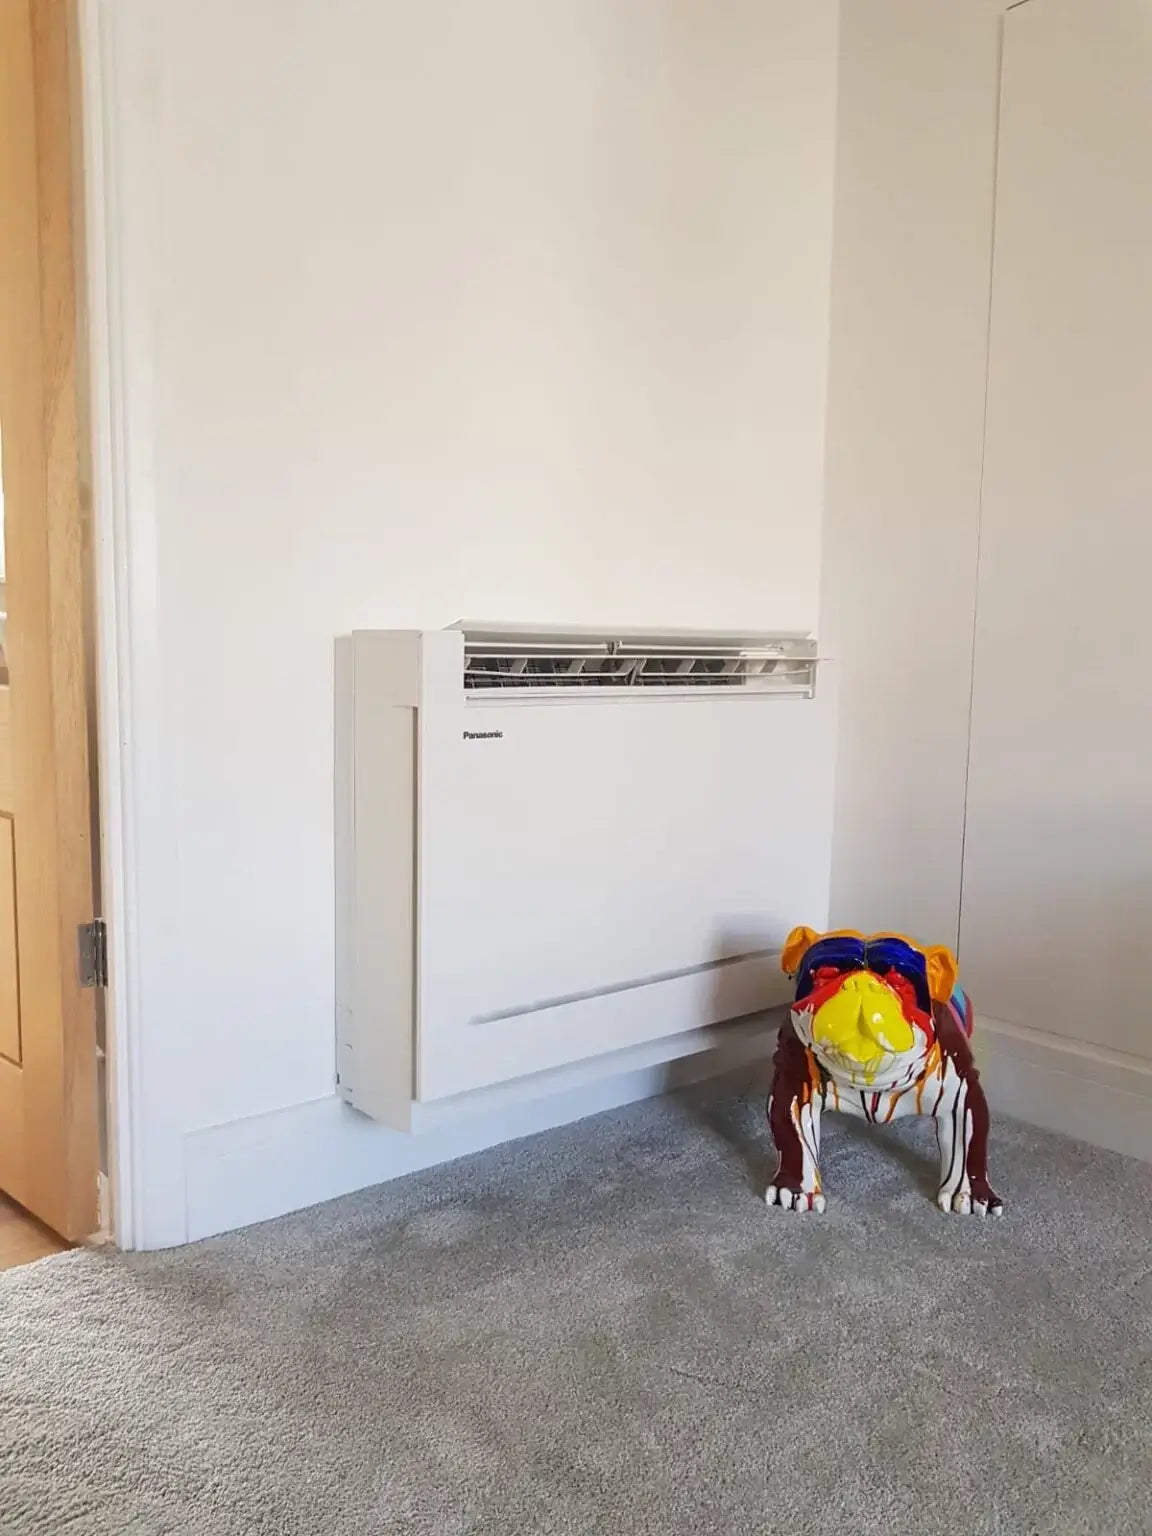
x=92 y=944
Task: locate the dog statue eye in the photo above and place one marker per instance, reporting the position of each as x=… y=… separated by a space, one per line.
x=900 y=984
x=824 y=973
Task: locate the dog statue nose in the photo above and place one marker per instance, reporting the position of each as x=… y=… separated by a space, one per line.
x=863 y=1019
x=864 y=981
x=872 y=998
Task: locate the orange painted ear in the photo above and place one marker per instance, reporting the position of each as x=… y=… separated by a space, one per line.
x=942 y=972
x=796 y=946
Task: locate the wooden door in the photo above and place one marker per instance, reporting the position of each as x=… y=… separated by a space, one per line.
x=1057 y=896
x=49 y=1120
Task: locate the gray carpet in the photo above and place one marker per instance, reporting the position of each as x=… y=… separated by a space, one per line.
x=604 y=1330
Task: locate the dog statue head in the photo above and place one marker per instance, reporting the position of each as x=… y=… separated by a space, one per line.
x=864 y=1004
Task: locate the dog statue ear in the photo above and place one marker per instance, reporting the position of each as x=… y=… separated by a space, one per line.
x=796 y=946
x=942 y=972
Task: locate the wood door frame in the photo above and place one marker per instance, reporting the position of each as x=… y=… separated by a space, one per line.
x=57 y=1166
x=129 y=748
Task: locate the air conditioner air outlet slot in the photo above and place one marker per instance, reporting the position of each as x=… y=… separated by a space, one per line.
x=552 y=661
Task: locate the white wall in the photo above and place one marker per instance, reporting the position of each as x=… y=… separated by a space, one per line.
x=417 y=311
x=915 y=169
x=1058 y=857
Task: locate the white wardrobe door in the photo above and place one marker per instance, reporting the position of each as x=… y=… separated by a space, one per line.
x=1056 y=923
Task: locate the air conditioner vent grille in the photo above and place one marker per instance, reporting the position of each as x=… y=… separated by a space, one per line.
x=550 y=663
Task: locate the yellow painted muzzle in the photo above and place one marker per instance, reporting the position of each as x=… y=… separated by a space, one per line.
x=863 y=1021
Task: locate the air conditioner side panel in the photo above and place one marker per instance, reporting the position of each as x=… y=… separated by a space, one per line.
x=377 y=688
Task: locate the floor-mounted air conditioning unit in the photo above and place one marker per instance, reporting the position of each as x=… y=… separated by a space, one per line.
x=552 y=846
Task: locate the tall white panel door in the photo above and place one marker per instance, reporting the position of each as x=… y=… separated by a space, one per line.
x=1056 y=924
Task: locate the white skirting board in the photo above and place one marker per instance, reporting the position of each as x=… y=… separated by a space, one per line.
x=254 y=1169
x=1085 y=1091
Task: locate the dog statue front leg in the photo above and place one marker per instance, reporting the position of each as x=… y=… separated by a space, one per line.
x=961 y=1116
x=794 y=1107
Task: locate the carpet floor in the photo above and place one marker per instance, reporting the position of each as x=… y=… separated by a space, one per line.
x=604 y=1330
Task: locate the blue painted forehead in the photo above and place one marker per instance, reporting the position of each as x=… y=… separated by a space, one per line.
x=882 y=954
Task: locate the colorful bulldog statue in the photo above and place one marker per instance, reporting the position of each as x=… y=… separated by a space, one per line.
x=878 y=1029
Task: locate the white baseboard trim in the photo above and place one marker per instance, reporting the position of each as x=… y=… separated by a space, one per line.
x=264 y=1166
x=1085 y=1091
x=254 y=1169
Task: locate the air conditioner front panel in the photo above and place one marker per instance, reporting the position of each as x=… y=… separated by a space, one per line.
x=631 y=868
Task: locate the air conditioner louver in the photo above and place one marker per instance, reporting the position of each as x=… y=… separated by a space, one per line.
x=512 y=662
